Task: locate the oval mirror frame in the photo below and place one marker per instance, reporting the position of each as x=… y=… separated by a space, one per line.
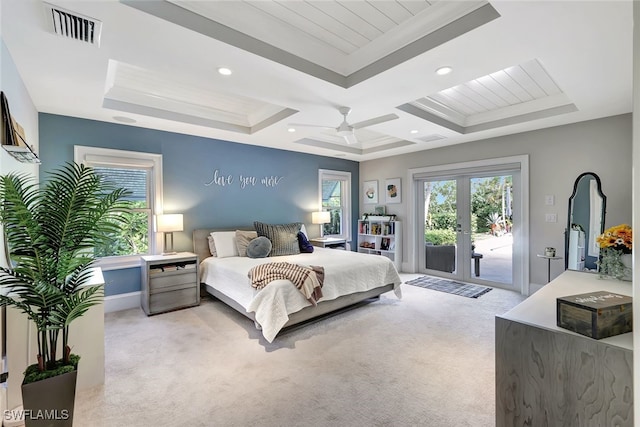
x=581 y=197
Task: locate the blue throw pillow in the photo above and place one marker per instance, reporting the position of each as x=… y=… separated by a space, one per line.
x=260 y=247
x=305 y=245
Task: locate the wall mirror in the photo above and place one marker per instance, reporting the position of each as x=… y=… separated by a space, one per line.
x=587 y=207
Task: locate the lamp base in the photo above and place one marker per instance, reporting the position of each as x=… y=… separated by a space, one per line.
x=168 y=244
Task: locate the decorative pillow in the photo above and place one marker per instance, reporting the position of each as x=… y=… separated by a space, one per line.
x=225 y=242
x=303 y=230
x=242 y=240
x=284 y=237
x=212 y=245
x=259 y=247
x=303 y=242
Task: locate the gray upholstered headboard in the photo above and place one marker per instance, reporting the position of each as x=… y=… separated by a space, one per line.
x=200 y=242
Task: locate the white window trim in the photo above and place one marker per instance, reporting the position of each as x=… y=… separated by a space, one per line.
x=95 y=156
x=344 y=176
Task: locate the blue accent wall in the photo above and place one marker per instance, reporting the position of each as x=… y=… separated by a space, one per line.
x=189 y=162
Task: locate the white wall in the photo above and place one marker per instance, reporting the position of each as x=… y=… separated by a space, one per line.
x=556 y=157
x=23 y=110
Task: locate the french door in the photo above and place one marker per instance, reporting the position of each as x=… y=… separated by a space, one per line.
x=467 y=226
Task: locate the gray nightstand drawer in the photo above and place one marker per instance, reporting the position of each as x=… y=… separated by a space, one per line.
x=165 y=280
x=164 y=301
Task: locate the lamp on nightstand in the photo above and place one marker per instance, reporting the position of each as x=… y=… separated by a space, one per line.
x=320 y=218
x=167 y=224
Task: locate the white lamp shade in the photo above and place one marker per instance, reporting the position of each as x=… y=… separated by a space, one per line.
x=320 y=217
x=169 y=223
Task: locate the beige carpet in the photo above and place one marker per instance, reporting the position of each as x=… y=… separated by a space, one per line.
x=425 y=360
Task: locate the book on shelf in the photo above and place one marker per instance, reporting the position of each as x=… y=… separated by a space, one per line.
x=384 y=244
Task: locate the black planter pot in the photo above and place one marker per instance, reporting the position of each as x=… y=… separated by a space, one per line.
x=49 y=403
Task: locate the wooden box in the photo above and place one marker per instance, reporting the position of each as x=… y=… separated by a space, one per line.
x=597 y=315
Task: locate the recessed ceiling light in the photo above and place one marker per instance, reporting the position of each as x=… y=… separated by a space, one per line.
x=414 y=131
x=291 y=130
x=123 y=119
x=442 y=71
x=225 y=71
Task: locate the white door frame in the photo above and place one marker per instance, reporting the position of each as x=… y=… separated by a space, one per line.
x=520 y=230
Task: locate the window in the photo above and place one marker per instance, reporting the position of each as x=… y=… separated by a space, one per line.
x=335 y=198
x=134 y=237
x=141 y=174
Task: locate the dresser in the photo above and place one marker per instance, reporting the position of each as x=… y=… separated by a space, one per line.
x=550 y=376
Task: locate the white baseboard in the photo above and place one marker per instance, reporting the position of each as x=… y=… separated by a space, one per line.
x=121 y=302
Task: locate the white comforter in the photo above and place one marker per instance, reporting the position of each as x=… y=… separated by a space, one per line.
x=346 y=272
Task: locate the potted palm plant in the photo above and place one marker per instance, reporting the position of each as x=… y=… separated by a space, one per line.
x=50 y=231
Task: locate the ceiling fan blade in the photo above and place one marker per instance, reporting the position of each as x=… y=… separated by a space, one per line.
x=375 y=121
x=350 y=139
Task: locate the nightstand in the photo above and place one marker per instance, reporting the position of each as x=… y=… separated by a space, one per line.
x=329 y=242
x=169 y=282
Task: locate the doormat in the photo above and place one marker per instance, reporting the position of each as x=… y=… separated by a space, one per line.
x=449 y=286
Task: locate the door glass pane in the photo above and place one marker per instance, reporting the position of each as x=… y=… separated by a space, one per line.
x=491 y=223
x=440 y=221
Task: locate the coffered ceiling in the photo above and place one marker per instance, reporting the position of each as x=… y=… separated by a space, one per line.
x=516 y=66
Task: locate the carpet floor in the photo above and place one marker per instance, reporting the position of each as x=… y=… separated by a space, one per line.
x=424 y=360
x=449 y=286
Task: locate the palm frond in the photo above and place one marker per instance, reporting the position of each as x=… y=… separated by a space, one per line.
x=51 y=231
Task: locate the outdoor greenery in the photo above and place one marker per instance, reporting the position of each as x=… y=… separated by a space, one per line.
x=51 y=230
x=132 y=237
x=490 y=208
x=440 y=236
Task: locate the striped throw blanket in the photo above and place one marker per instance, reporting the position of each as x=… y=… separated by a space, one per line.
x=308 y=280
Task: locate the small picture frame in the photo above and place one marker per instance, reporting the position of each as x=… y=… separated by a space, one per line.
x=370 y=192
x=380 y=210
x=393 y=190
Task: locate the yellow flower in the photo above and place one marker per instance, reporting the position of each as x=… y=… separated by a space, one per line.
x=619 y=237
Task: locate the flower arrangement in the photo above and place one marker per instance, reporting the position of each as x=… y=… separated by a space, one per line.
x=615 y=242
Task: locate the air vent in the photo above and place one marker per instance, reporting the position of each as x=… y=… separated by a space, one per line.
x=66 y=23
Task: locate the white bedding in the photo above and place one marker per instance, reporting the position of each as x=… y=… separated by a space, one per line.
x=346 y=272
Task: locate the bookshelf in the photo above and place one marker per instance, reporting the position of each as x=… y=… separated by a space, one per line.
x=381 y=236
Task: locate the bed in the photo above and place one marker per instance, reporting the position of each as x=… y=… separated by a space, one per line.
x=349 y=278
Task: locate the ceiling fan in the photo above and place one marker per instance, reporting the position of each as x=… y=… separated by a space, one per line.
x=345 y=129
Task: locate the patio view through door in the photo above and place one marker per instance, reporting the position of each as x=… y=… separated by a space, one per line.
x=467 y=232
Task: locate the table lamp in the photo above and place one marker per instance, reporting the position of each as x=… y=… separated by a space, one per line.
x=167 y=224
x=320 y=218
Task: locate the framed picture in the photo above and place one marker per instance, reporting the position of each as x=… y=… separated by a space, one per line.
x=370 y=191
x=393 y=190
x=380 y=210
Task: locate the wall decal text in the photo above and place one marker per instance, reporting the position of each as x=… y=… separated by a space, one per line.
x=220 y=179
